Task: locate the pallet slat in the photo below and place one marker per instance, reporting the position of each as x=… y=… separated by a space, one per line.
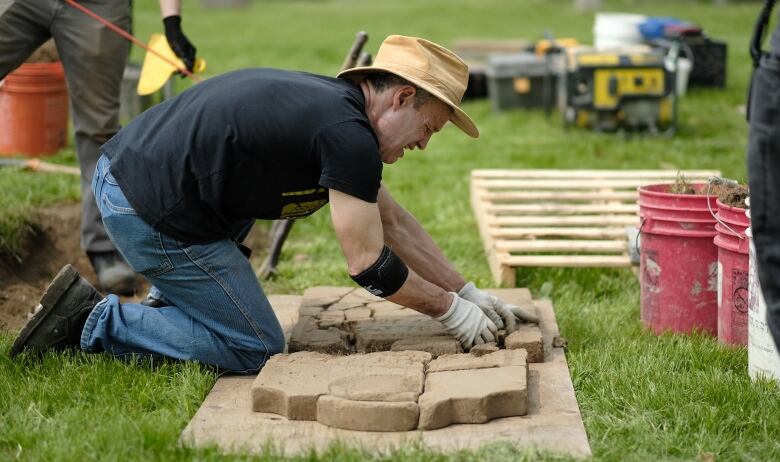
x=559 y=196
x=561 y=246
x=572 y=232
x=518 y=209
x=567 y=184
x=571 y=261
x=642 y=174
x=594 y=220
x=502 y=274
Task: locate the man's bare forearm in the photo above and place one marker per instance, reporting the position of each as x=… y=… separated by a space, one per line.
x=414 y=245
x=422 y=296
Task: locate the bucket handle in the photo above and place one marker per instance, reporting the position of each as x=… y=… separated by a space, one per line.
x=639 y=232
x=718 y=180
x=638 y=238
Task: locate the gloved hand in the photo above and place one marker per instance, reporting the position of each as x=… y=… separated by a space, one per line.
x=523 y=314
x=178 y=41
x=466 y=322
x=501 y=313
x=495 y=309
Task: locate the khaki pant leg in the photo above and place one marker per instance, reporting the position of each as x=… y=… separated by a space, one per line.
x=94 y=59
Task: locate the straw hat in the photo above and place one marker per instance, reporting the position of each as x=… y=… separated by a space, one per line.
x=427 y=65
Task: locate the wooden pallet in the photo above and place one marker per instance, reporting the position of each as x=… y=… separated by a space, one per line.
x=564 y=218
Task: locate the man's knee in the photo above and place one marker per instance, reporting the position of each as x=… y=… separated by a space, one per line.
x=270 y=339
x=256 y=356
x=273 y=344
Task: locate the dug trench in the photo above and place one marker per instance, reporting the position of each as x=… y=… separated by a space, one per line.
x=52 y=243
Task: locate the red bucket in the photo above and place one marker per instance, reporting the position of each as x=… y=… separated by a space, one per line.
x=733 y=274
x=34 y=110
x=679 y=262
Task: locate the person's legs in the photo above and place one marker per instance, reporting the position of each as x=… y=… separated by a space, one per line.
x=219 y=314
x=23 y=28
x=764 y=174
x=94 y=60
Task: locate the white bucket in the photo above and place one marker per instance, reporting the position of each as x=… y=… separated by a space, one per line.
x=763 y=359
x=615 y=30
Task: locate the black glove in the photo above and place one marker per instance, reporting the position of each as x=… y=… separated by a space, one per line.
x=178 y=41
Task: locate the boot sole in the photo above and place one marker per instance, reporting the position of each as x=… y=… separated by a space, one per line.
x=56 y=289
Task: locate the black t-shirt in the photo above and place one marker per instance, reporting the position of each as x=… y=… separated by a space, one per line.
x=254 y=143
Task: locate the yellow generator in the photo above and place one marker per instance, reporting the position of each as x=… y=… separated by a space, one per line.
x=620 y=90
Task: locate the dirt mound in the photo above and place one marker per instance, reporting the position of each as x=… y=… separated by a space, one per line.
x=735 y=196
x=53 y=244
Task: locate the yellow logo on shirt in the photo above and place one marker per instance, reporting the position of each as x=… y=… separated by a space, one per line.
x=297 y=204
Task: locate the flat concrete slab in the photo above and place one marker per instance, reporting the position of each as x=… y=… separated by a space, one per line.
x=286 y=309
x=553 y=420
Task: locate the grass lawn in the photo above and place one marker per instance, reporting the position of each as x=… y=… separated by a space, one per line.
x=642 y=397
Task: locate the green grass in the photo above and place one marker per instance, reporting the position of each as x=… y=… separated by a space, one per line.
x=67 y=407
x=21 y=192
x=642 y=397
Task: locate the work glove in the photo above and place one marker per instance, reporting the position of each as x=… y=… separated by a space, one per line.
x=178 y=41
x=466 y=322
x=523 y=314
x=502 y=314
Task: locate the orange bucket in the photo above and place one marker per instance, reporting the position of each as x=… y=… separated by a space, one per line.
x=34 y=110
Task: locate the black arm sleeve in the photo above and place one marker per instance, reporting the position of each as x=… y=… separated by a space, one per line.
x=385 y=276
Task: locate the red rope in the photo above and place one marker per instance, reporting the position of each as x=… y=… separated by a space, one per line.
x=129 y=37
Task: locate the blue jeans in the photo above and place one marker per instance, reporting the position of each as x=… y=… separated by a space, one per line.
x=218 y=313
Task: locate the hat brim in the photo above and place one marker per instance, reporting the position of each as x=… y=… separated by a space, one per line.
x=458 y=117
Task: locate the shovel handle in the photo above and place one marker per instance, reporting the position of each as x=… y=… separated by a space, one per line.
x=357 y=46
x=37 y=165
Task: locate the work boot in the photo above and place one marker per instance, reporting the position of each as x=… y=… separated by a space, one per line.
x=60 y=316
x=114 y=275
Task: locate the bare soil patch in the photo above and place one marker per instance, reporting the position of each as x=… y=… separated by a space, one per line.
x=53 y=244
